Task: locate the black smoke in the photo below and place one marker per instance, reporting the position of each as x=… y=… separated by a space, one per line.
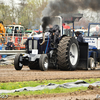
x=91 y=4
x=46 y=21
x=59 y=7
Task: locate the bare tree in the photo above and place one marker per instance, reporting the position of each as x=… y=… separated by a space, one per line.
x=30 y=12
x=12 y=10
x=5 y=13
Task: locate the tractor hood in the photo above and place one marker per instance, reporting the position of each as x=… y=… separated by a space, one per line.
x=36 y=37
x=34 y=42
x=39 y=36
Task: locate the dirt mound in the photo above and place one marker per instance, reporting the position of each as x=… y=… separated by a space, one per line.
x=78 y=95
x=90 y=87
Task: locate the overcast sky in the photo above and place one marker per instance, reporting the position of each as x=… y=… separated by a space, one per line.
x=9 y=1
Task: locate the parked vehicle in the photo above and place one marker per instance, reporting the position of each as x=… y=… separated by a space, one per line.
x=15 y=30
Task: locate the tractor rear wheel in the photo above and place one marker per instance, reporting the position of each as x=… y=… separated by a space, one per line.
x=68 y=53
x=43 y=62
x=17 y=63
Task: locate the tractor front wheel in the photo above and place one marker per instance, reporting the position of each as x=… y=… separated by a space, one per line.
x=43 y=62
x=17 y=63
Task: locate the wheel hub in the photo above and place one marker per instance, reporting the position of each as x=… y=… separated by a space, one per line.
x=73 y=54
x=46 y=63
x=20 y=64
x=92 y=64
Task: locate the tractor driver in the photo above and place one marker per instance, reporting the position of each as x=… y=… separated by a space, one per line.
x=79 y=36
x=54 y=34
x=97 y=32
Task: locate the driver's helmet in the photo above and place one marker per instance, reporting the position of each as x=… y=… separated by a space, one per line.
x=55 y=27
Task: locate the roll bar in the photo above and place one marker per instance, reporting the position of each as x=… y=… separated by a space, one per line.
x=66 y=18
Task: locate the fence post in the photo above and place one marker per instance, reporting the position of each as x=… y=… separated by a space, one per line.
x=13 y=36
x=0 y=49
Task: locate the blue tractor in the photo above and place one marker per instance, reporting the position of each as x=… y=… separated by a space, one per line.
x=55 y=48
x=93 y=40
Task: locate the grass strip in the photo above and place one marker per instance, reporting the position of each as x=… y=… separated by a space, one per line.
x=17 y=85
x=46 y=91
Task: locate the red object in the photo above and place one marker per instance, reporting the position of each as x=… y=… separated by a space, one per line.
x=0 y=56
x=38 y=31
x=16 y=39
x=22 y=47
x=65 y=26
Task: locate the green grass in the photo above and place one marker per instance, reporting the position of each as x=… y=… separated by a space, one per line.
x=47 y=91
x=17 y=85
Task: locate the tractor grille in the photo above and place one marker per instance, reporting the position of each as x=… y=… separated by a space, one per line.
x=32 y=44
x=35 y=44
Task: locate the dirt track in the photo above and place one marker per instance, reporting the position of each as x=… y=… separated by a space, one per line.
x=8 y=73
x=79 y=95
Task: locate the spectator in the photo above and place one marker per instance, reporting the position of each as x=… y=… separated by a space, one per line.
x=97 y=32
x=79 y=36
x=39 y=32
x=10 y=45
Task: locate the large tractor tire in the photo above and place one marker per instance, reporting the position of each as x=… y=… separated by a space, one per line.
x=68 y=53
x=17 y=64
x=34 y=65
x=43 y=62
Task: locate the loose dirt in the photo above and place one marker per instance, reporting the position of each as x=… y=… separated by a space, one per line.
x=9 y=74
x=78 y=95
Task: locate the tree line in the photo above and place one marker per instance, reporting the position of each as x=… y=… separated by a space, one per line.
x=27 y=12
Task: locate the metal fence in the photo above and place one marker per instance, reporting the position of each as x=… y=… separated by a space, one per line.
x=18 y=39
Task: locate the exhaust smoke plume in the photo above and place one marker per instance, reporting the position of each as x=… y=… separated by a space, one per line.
x=46 y=21
x=59 y=7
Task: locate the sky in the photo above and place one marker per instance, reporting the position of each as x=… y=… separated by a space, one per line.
x=7 y=2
